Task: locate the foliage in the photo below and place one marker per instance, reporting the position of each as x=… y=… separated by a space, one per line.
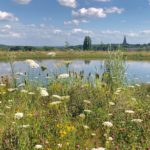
x=87 y=44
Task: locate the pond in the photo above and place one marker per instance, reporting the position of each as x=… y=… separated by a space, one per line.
x=136 y=71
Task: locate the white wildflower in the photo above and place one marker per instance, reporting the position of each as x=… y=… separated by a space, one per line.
x=87 y=102
x=107 y=124
x=18 y=115
x=129 y=112
x=59 y=145
x=57 y=97
x=110 y=138
x=43 y=92
x=24 y=91
x=87 y=111
x=51 y=54
x=82 y=116
x=21 y=85
x=86 y=127
x=31 y=93
x=11 y=89
x=38 y=146
x=2 y=85
x=93 y=134
x=111 y=103
x=63 y=76
x=32 y=63
x=55 y=103
x=99 y=148
x=137 y=120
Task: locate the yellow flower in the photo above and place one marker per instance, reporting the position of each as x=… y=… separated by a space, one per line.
x=62 y=133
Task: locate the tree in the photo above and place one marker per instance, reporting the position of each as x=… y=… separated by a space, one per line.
x=87 y=44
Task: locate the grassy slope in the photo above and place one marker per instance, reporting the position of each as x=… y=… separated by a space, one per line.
x=71 y=55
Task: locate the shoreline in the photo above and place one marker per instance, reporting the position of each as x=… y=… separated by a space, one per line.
x=86 y=55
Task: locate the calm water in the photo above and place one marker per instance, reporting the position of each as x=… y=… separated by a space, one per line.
x=137 y=71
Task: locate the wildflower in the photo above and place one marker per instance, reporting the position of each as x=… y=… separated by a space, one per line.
x=11 y=89
x=65 y=97
x=8 y=107
x=43 y=92
x=87 y=111
x=137 y=120
x=63 y=76
x=25 y=126
x=93 y=134
x=59 y=145
x=82 y=116
x=87 y=101
x=133 y=99
x=131 y=86
x=0 y=102
x=2 y=114
x=32 y=63
x=18 y=115
x=110 y=138
x=31 y=93
x=55 y=103
x=2 y=85
x=57 y=97
x=99 y=148
x=111 y=103
x=38 y=146
x=107 y=124
x=51 y=54
x=129 y=112
x=86 y=127
x=62 y=133
x=21 y=85
x=20 y=74
x=138 y=85
x=24 y=91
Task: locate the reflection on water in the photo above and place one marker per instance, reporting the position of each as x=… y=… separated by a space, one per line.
x=137 y=70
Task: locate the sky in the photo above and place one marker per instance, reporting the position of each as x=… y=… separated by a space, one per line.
x=52 y=22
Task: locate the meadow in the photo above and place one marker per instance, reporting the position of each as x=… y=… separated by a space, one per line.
x=71 y=113
x=70 y=54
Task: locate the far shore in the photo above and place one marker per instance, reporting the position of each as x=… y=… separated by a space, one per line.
x=22 y=55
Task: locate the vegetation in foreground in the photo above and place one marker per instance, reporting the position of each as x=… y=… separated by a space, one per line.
x=72 y=113
x=21 y=55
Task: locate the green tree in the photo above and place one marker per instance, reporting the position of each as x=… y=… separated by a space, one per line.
x=87 y=44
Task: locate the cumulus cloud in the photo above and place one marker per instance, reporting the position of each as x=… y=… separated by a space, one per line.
x=68 y=3
x=114 y=10
x=57 y=31
x=75 y=22
x=96 y=12
x=23 y=2
x=102 y=0
x=6 y=16
x=78 y=30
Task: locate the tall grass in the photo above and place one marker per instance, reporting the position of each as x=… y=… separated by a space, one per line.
x=70 y=114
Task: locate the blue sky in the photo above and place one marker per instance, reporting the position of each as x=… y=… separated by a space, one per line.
x=52 y=22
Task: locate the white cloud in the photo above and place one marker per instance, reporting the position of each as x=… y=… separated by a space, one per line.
x=96 y=12
x=89 y=12
x=102 y=0
x=57 y=31
x=6 y=16
x=78 y=30
x=75 y=22
x=68 y=3
x=114 y=10
x=23 y=2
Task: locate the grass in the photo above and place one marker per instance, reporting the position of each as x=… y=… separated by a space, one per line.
x=20 y=55
x=71 y=113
